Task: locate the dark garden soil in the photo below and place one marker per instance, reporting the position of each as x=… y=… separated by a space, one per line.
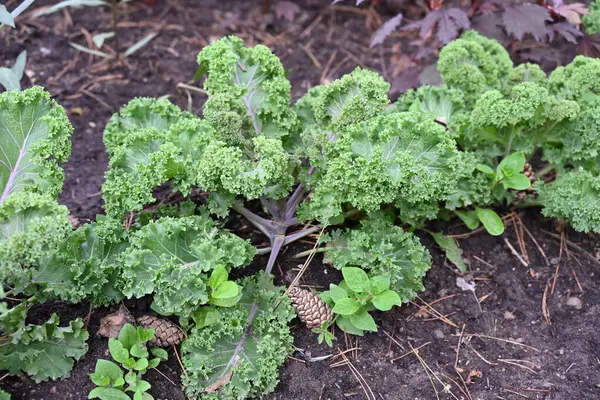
x=524 y=333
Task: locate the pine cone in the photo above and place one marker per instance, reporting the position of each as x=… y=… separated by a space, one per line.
x=166 y=333
x=311 y=309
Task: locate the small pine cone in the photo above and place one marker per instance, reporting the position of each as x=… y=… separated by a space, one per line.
x=311 y=309
x=166 y=333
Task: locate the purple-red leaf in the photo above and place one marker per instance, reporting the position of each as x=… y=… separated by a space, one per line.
x=522 y=19
x=385 y=30
x=565 y=29
x=572 y=12
x=449 y=22
x=590 y=46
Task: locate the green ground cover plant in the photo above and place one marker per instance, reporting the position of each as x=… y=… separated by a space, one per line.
x=342 y=162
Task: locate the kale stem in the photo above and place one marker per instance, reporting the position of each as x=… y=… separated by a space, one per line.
x=308 y=252
x=510 y=140
x=264 y=225
x=300 y=234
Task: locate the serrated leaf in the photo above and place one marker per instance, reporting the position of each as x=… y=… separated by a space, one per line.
x=565 y=29
x=363 y=320
x=522 y=19
x=572 y=12
x=449 y=22
x=491 y=221
x=346 y=306
x=356 y=279
x=226 y=359
x=386 y=300
x=453 y=252
x=31 y=346
x=386 y=30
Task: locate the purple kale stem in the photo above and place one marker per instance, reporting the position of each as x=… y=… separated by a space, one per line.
x=277 y=244
x=264 y=225
x=293 y=201
x=300 y=234
x=271 y=207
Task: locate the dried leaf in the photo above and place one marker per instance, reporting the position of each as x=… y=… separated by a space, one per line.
x=526 y=18
x=111 y=325
x=449 y=22
x=572 y=12
x=222 y=381
x=464 y=285
x=565 y=29
x=286 y=10
x=386 y=30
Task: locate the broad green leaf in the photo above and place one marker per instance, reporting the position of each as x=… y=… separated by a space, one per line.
x=346 y=306
x=511 y=165
x=347 y=326
x=453 y=252
x=386 y=300
x=139 y=385
x=109 y=370
x=153 y=362
x=484 y=168
x=226 y=290
x=34 y=134
x=356 y=279
x=218 y=276
x=100 y=380
x=128 y=336
x=491 y=221
x=117 y=351
x=141 y=364
x=108 y=394
x=470 y=218
x=363 y=320
x=337 y=293
x=517 y=182
x=160 y=353
x=138 y=350
x=380 y=283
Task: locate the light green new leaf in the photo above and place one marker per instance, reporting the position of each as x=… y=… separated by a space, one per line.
x=117 y=351
x=346 y=306
x=226 y=290
x=108 y=394
x=380 y=284
x=518 y=182
x=356 y=279
x=363 y=320
x=386 y=300
x=218 y=276
x=491 y=221
x=511 y=165
x=470 y=218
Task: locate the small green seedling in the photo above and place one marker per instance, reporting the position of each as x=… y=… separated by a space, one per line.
x=131 y=352
x=355 y=296
x=224 y=293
